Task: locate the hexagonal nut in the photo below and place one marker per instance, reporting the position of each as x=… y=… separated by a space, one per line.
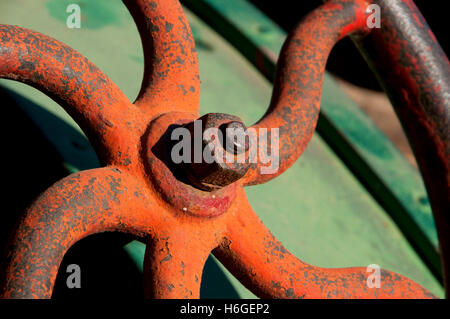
x=216 y=167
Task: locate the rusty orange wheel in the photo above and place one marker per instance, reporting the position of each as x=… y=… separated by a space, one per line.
x=188 y=209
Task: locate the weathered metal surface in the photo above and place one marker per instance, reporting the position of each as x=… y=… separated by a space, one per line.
x=295 y=104
x=170 y=230
x=237 y=142
x=170 y=182
x=171 y=80
x=370 y=155
x=82 y=204
x=98 y=106
x=279 y=274
x=222 y=169
x=415 y=73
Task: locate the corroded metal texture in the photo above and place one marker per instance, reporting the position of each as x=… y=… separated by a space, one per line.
x=295 y=104
x=415 y=72
x=223 y=167
x=93 y=100
x=82 y=204
x=171 y=78
x=141 y=191
x=269 y=270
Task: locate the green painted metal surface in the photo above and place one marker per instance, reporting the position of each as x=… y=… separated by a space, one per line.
x=318 y=209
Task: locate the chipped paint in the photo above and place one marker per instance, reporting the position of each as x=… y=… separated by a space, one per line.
x=140 y=192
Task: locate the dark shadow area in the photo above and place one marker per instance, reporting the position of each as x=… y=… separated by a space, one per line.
x=106 y=269
x=69 y=143
x=162 y=150
x=215 y=285
x=30 y=163
x=345 y=60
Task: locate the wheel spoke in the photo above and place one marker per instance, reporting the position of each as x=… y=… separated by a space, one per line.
x=174 y=264
x=79 y=205
x=294 y=108
x=269 y=270
x=86 y=93
x=171 y=77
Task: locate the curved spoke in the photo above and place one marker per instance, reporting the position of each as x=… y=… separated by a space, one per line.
x=294 y=108
x=171 y=78
x=104 y=199
x=266 y=268
x=173 y=265
x=88 y=95
x=406 y=57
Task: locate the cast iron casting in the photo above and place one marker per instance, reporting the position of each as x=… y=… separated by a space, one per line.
x=184 y=213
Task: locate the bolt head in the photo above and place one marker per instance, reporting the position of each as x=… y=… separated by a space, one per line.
x=223 y=166
x=235 y=137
